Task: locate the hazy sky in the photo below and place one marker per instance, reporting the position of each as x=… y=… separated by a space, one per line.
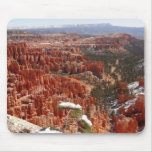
x=46 y=22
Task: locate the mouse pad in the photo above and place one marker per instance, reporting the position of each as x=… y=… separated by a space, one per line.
x=75 y=76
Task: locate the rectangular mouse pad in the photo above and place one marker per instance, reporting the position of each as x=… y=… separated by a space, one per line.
x=75 y=76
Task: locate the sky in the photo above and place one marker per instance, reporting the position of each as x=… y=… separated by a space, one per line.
x=58 y=22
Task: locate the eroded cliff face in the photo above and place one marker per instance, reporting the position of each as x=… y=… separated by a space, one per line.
x=58 y=61
x=130 y=115
x=34 y=92
x=124 y=124
x=114 y=43
x=48 y=69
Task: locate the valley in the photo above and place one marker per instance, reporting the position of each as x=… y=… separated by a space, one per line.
x=99 y=79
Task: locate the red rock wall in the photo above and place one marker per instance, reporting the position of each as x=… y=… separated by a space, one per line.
x=133 y=112
x=124 y=124
x=33 y=93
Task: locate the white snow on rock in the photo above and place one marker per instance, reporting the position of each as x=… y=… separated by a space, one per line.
x=135 y=90
x=85 y=118
x=47 y=130
x=69 y=105
x=133 y=85
x=139 y=90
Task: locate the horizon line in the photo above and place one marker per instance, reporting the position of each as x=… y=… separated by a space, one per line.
x=22 y=23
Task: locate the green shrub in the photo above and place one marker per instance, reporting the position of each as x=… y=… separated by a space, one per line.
x=84 y=127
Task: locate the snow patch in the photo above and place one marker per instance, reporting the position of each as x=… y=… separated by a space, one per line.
x=133 y=85
x=85 y=118
x=69 y=105
x=47 y=130
x=139 y=90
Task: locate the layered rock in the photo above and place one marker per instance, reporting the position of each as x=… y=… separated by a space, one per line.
x=33 y=92
x=51 y=60
x=16 y=125
x=124 y=124
x=131 y=108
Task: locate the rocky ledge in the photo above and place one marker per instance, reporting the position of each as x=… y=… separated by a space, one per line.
x=16 y=125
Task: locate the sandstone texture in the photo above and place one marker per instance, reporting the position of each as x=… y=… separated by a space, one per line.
x=44 y=70
x=16 y=125
x=35 y=86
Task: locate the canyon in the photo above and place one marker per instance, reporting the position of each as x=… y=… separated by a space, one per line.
x=44 y=70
